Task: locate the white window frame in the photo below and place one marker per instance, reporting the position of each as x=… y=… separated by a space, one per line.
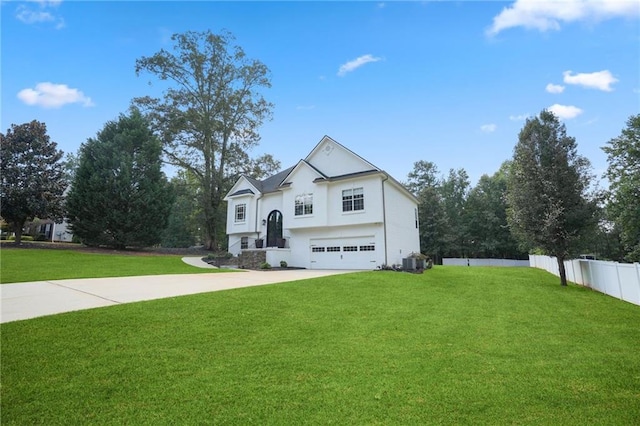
x=353 y=196
x=241 y=213
x=303 y=205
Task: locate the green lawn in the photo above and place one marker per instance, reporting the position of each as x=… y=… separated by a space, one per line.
x=452 y=346
x=21 y=265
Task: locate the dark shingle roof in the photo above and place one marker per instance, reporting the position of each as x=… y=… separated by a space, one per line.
x=242 y=192
x=269 y=184
x=272 y=183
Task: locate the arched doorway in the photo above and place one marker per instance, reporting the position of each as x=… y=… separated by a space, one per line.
x=274 y=228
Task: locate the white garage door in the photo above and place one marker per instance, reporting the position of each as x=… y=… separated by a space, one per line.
x=343 y=253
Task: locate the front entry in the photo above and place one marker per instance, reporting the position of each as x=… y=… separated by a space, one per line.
x=274 y=228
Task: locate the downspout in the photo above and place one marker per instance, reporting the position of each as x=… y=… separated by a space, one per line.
x=257 y=216
x=384 y=219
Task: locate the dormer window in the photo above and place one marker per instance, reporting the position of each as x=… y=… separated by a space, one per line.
x=304 y=204
x=241 y=213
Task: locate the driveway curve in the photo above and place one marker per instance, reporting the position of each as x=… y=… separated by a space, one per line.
x=22 y=301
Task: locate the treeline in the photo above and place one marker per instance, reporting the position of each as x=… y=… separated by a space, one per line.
x=457 y=220
x=540 y=201
x=114 y=193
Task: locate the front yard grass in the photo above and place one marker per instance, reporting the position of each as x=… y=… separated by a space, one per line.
x=452 y=346
x=22 y=265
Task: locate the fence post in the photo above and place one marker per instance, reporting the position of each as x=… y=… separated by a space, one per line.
x=591 y=280
x=638 y=282
x=619 y=284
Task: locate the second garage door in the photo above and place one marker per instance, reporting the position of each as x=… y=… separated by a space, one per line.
x=343 y=253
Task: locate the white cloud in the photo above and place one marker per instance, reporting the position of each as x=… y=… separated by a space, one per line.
x=601 y=80
x=50 y=95
x=488 y=128
x=554 y=88
x=520 y=117
x=548 y=15
x=357 y=63
x=42 y=13
x=565 y=112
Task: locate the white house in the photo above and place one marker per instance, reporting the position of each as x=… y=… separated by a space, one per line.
x=332 y=210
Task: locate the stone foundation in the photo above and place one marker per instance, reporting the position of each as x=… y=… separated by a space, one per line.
x=252 y=259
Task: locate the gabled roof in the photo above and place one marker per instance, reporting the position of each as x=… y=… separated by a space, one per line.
x=242 y=192
x=327 y=145
x=269 y=184
x=321 y=176
x=348 y=176
x=272 y=183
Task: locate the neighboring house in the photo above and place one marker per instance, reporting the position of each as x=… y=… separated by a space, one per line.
x=332 y=210
x=51 y=230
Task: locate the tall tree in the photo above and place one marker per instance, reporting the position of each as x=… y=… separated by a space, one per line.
x=208 y=121
x=425 y=183
x=454 y=191
x=547 y=185
x=623 y=172
x=486 y=218
x=32 y=176
x=120 y=197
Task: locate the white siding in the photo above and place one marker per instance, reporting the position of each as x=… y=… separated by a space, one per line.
x=372 y=212
x=328 y=223
x=335 y=160
x=62 y=233
x=249 y=223
x=302 y=183
x=402 y=235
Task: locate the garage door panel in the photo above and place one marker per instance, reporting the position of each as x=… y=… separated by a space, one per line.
x=343 y=253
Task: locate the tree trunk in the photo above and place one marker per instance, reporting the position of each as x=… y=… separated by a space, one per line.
x=563 y=272
x=18 y=232
x=17 y=229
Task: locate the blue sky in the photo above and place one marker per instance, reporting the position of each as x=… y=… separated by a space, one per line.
x=396 y=82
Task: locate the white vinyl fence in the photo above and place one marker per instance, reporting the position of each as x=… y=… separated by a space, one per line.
x=621 y=280
x=453 y=261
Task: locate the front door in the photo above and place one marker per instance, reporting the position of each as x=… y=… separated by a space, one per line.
x=274 y=228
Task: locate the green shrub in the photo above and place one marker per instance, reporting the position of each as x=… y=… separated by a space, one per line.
x=40 y=237
x=265 y=265
x=24 y=238
x=283 y=264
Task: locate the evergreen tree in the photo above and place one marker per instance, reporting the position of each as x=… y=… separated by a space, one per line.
x=547 y=184
x=120 y=197
x=424 y=182
x=32 y=176
x=185 y=216
x=623 y=156
x=454 y=191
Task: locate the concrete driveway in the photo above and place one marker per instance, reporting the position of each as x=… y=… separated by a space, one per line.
x=35 y=299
